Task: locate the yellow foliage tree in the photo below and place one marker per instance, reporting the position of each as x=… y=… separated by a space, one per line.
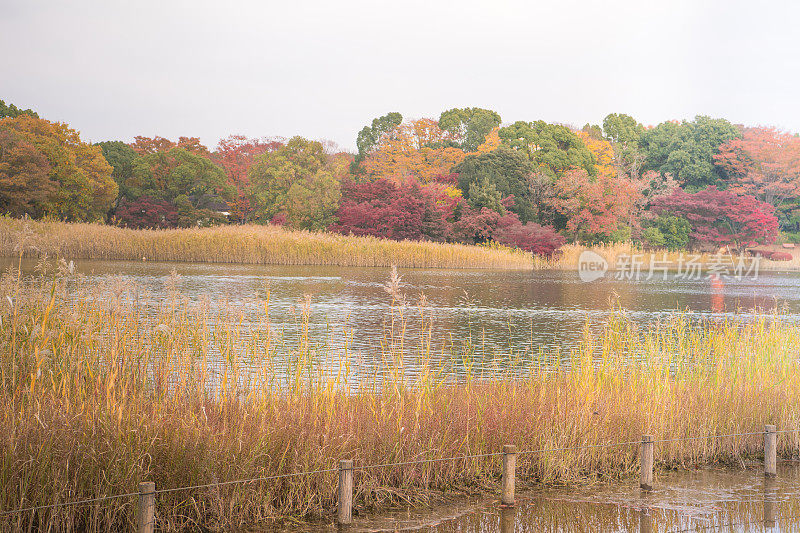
x=418 y=148
x=603 y=154
x=491 y=143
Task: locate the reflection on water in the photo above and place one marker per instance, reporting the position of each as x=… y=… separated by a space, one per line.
x=497 y=312
x=708 y=499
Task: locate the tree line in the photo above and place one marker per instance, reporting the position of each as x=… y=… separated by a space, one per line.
x=464 y=177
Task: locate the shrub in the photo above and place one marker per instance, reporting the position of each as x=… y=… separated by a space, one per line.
x=674 y=230
x=653 y=237
x=146 y=212
x=540 y=240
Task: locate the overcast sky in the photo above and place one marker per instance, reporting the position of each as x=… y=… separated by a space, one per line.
x=323 y=70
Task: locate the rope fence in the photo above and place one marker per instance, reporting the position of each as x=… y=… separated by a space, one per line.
x=147 y=490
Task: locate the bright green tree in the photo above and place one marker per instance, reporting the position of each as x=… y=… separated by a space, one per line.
x=553 y=148
x=122 y=159
x=12 y=111
x=311 y=203
x=369 y=136
x=686 y=150
x=620 y=128
x=469 y=126
x=195 y=185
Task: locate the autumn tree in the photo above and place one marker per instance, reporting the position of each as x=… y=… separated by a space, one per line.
x=393 y=210
x=482 y=225
x=146 y=212
x=190 y=182
x=686 y=150
x=84 y=188
x=235 y=154
x=469 y=126
x=721 y=218
x=603 y=153
x=25 y=182
x=593 y=209
x=552 y=148
x=298 y=181
x=151 y=145
x=419 y=148
x=765 y=163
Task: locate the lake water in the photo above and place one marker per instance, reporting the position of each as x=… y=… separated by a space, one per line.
x=495 y=312
x=732 y=499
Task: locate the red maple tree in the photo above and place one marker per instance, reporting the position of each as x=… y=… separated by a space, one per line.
x=721 y=218
x=235 y=154
x=763 y=162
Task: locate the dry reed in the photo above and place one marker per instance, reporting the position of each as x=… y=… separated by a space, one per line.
x=99 y=394
x=245 y=244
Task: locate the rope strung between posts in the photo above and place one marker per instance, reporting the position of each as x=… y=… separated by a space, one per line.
x=384 y=465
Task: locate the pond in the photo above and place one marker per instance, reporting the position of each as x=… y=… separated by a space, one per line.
x=497 y=312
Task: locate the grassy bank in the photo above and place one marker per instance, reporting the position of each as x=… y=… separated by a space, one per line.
x=244 y=244
x=99 y=394
x=276 y=246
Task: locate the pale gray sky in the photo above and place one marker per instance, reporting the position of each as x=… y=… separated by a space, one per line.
x=117 y=69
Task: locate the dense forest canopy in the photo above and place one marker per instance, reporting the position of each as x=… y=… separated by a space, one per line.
x=464 y=177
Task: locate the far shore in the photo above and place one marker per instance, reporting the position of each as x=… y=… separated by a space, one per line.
x=252 y=244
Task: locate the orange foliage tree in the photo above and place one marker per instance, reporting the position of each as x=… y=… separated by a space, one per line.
x=593 y=210
x=418 y=148
x=80 y=186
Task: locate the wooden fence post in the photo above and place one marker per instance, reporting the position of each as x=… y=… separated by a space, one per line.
x=509 y=474
x=770 y=451
x=147 y=507
x=646 y=463
x=345 y=515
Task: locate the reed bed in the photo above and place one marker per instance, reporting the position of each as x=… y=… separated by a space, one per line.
x=99 y=394
x=244 y=244
x=618 y=256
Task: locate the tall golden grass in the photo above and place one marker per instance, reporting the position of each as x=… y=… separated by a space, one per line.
x=245 y=244
x=618 y=254
x=275 y=245
x=99 y=394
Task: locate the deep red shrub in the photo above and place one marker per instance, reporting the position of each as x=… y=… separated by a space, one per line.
x=481 y=226
x=383 y=209
x=146 y=212
x=721 y=218
x=541 y=240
